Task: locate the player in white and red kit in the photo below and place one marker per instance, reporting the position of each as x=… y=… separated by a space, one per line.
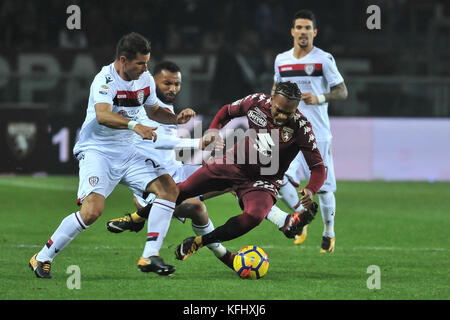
x=107 y=155
x=316 y=74
x=168 y=81
x=255 y=166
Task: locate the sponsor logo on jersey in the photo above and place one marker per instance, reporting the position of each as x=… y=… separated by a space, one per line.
x=257 y=117
x=287 y=134
x=93 y=181
x=131 y=98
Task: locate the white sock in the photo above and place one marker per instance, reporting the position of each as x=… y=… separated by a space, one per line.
x=290 y=195
x=69 y=228
x=277 y=216
x=216 y=247
x=157 y=226
x=327 y=203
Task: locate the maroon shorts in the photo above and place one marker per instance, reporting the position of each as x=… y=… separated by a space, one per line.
x=218 y=177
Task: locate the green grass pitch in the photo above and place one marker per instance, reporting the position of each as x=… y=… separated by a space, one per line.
x=401 y=227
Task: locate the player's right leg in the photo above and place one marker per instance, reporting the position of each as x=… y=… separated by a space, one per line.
x=94 y=187
x=143 y=177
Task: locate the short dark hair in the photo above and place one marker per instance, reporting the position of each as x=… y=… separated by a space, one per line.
x=305 y=14
x=131 y=44
x=289 y=90
x=166 y=65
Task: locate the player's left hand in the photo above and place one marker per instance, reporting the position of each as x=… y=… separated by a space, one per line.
x=309 y=98
x=185 y=115
x=307 y=197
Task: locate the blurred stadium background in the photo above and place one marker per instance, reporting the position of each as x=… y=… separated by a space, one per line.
x=395 y=121
x=394 y=125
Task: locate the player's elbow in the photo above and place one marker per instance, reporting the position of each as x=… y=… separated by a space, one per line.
x=100 y=118
x=344 y=93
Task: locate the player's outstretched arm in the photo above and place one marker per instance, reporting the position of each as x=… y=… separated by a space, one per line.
x=110 y=119
x=161 y=115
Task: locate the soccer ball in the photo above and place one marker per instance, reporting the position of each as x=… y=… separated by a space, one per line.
x=251 y=262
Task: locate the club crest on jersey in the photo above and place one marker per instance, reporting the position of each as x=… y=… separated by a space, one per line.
x=93 y=181
x=140 y=96
x=309 y=69
x=287 y=134
x=257 y=117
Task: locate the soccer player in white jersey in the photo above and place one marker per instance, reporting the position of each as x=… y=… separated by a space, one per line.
x=316 y=74
x=107 y=155
x=167 y=77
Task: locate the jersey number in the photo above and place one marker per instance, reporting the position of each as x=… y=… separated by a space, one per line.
x=264 y=184
x=264 y=144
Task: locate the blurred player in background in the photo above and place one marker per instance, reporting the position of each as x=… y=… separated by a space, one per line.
x=168 y=81
x=107 y=155
x=316 y=74
x=255 y=166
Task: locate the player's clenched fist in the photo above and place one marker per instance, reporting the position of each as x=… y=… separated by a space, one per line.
x=185 y=115
x=307 y=197
x=147 y=133
x=309 y=98
x=213 y=140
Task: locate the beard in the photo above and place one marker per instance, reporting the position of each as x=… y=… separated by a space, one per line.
x=167 y=99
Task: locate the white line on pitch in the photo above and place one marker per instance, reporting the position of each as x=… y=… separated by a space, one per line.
x=36 y=185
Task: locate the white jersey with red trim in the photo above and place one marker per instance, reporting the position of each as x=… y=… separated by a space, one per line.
x=127 y=99
x=316 y=73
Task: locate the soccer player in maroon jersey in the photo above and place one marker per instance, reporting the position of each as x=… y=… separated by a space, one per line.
x=255 y=166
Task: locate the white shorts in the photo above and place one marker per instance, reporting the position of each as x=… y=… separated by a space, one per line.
x=101 y=172
x=179 y=175
x=299 y=165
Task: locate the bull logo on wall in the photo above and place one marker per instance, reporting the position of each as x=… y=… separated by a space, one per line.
x=21 y=138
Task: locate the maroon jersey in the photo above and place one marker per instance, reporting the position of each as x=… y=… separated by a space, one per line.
x=268 y=149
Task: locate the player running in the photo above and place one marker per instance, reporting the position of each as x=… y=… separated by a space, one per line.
x=255 y=166
x=107 y=155
x=316 y=74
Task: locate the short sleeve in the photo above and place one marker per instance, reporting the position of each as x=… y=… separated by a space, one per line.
x=102 y=92
x=331 y=72
x=152 y=100
x=276 y=74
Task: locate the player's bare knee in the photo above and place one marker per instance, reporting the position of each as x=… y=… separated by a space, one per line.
x=90 y=214
x=169 y=193
x=92 y=208
x=193 y=209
